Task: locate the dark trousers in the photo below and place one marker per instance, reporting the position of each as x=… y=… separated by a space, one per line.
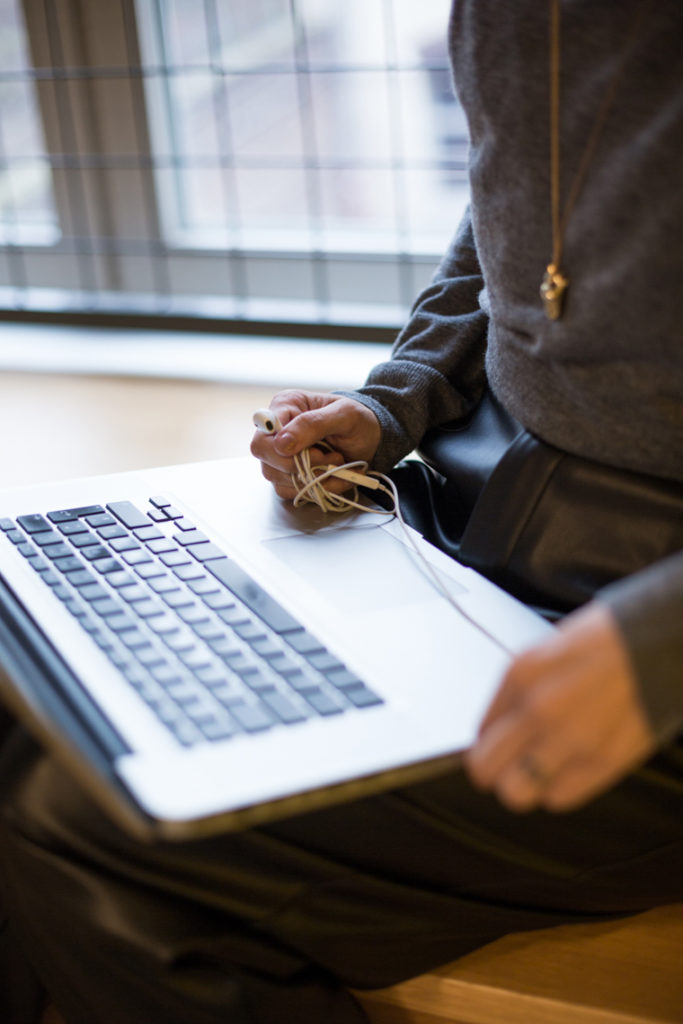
x=273 y=925
x=277 y=923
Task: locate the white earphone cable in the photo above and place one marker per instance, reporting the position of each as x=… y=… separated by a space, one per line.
x=310 y=481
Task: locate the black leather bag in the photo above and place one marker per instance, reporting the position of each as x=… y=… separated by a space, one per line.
x=550 y=527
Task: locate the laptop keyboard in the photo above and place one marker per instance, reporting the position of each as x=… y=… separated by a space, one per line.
x=203 y=644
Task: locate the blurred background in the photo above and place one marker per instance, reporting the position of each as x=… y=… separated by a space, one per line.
x=237 y=192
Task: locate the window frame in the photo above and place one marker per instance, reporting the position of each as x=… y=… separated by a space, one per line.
x=102 y=116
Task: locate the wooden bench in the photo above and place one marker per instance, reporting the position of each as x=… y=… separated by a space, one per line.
x=623 y=972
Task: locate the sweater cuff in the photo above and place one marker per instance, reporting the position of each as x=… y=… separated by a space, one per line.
x=648 y=609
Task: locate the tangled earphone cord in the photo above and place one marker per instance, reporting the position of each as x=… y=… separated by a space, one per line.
x=310 y=481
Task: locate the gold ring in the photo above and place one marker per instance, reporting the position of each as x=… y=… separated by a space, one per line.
x=533 y=770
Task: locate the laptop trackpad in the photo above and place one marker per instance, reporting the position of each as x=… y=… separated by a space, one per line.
x=353 y=566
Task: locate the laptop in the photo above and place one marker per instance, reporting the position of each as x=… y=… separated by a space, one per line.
x=204 y=657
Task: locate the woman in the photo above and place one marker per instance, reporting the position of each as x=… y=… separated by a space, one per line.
x=573 y=394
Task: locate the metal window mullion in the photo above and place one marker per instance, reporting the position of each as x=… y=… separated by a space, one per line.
x=404 y=268
x=314 y=199
x=226 y=153
x=45 y=24
x=157 y=251
x=14 y=252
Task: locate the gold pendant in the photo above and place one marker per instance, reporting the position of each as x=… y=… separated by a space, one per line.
x=553 y=288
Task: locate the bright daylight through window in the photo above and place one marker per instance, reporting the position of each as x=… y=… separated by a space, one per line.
x=247 y=149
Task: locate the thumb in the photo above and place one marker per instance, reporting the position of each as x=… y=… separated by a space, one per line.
x=306 y=429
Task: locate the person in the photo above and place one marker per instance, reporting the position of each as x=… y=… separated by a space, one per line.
x=551 y=426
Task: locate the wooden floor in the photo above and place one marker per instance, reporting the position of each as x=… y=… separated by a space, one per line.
x=55 y=426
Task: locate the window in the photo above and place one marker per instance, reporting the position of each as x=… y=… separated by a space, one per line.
x=295 y=157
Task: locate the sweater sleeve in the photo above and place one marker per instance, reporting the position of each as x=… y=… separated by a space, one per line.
x=436 y=373
x=648 y=608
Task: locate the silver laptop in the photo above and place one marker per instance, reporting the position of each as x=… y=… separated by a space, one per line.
x=204 y=657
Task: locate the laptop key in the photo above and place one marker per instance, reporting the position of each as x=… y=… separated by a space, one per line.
x=100 y=519
x=41 y=539
x=161 y=546
x=185 y=732
x=148 y=570
x=361 y=696
x=83 y=539
x=79 y=578
x=324 y=661
x=105 y=606
x=120 y=579
x=217 y=601
x=341 y=678
x=203 y=586
x=94 y=551
x=115 y=532
x=72 y=527
x=164 y=585
x=133 y=638
x=148 y=655
x=217 y=729
x=176 y=598
x=189 y=572
x=224 y=646
x=57 y=551
x=322 y=702
x=162 y=624
x=208 y=630
x=301 y=682
x=105 y=566
x=283 y=664
x=283 y=708
x=133 y=592
x=241 y=584
x=206 y=552
x=136 y=557
x=121 y=622
x=93 y=591
x=303 y=642
x=252 y=717
x=265 y=646
x=175 y=557
x=68 y=564
x=129 y=515
x=195 y=657
x=122 y=543
x=38 y=563
x=250 y=630
x=165 y=673
x=33 y=523
x=193 y=613
x=73 y=513
x=148 y=532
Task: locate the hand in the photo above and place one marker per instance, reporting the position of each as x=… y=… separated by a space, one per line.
x=566 y=722
x=309 y=417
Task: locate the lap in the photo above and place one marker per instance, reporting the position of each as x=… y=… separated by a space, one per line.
x=360 y=895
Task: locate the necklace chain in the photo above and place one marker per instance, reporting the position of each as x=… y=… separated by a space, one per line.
x=555 y=282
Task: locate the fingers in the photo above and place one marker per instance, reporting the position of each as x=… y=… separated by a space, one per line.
x=288 y=481
x=346 y=425
x=566 y=722
x=309 y=419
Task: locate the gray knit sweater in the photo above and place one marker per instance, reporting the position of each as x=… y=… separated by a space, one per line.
x=605 y=381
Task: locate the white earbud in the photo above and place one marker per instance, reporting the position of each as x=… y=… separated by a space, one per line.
x=267 y=421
